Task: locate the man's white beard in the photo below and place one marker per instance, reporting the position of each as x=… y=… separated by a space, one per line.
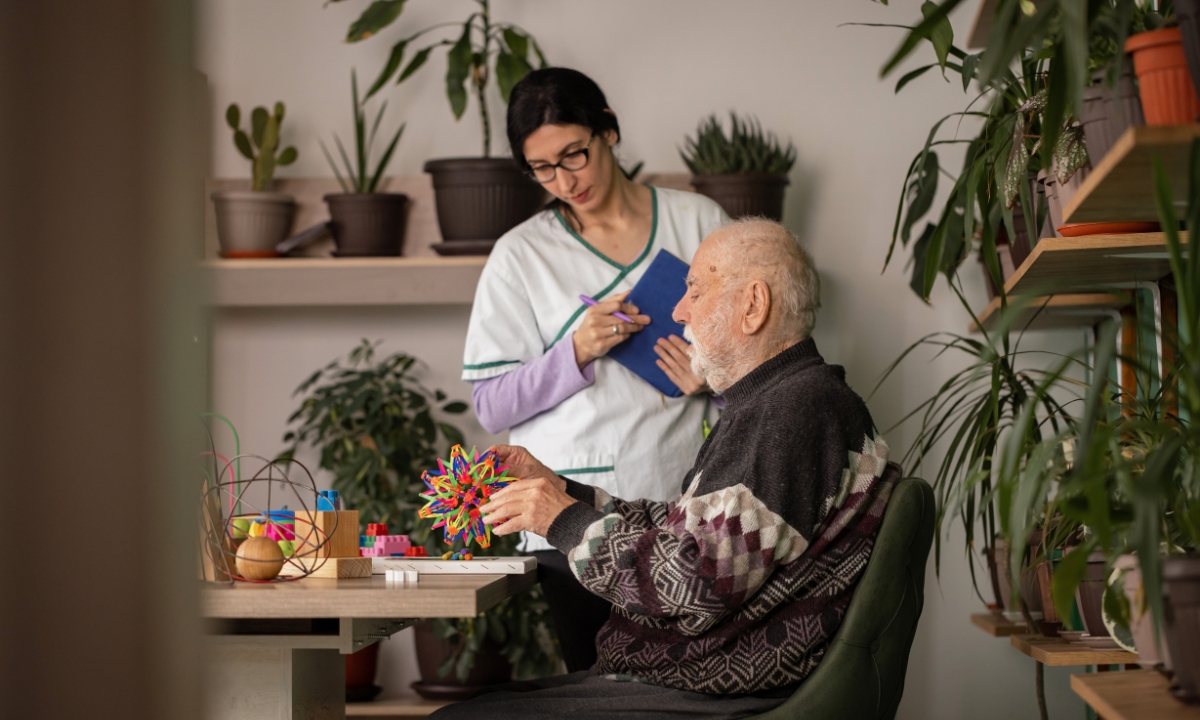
x=717 y=365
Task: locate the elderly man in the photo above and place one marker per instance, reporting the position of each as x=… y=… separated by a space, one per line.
x=726 y=599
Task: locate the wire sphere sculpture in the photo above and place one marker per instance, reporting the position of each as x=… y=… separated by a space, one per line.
x=228 y=519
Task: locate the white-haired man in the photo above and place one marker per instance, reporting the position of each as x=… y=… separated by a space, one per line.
x=726 y=599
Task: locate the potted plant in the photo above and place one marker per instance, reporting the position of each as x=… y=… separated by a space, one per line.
x=365 y=222
x=478 y=198
x=375 y=426
x=251 y=224
x=746 y=172
x=1168 y=95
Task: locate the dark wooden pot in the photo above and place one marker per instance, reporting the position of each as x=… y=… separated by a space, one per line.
x=1090 y=596
x=367 y=224
x=478 y=200
x=1181 y=577
x=745 y=194
x=491 y=667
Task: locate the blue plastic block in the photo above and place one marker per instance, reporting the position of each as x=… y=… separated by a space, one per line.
x=326 y=501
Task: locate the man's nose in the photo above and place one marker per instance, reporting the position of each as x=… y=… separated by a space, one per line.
x=682 y=314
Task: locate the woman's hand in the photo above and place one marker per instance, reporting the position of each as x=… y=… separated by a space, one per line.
x=675 y=359
x=595 y=335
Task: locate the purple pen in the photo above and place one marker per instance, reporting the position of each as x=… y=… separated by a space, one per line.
x=592 y=301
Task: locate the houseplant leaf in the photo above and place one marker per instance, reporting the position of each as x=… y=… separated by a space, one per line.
x=458 y=66
x=378 y=15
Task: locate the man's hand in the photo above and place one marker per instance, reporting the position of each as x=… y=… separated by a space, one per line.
x=675 y=359
x=532 y=502
x=521 y=464
x=528 y=504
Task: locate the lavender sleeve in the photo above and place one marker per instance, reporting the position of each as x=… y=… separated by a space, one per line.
x=535 y=387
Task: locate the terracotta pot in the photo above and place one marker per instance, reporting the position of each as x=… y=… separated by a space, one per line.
x=1141 y=625
x=478 y=200
x=491 y=667
x=1181 y=578
x=1108 y=112
x=361 y=668
x=250 y=224
x=1168 y=95
x=745 y=194
x=367 y=224
x=1090 y=596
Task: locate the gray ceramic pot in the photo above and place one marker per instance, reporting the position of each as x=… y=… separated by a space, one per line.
x=251 y=224
x=1141 y=625
x=478 y=200
x=1181 y=577
x=745 y=194
x=367 y=224
x=1109 y=112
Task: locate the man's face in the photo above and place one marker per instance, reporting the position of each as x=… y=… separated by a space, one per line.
x=706 y=311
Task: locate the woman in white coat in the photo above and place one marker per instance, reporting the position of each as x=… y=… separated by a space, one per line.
x=536 y=354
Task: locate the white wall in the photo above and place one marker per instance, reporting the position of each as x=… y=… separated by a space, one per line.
x=663 y=65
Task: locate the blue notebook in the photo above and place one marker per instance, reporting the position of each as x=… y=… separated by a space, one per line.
x=656 y=295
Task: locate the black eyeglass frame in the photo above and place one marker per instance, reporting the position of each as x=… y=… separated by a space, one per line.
x=585 y=151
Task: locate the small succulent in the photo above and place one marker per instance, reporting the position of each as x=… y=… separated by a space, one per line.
x=747 y=149
x=264 y=131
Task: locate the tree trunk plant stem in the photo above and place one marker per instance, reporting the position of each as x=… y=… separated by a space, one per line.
x=480 y=77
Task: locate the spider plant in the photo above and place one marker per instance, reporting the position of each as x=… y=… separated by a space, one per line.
x=359 y=178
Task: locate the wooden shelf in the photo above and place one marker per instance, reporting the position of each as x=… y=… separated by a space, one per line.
x=1131 y=695
x=1072 y=265
x=1057 y=652
x=1121 y=187
x=1055 y=312
x=407 y=706
x=280 y=282
x=997 y=625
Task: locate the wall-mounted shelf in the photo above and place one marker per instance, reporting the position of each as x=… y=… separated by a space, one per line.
x=1121 y=187
x=285 y=282
x=1057 y=652
x=997 y=625
x=1090 y=262
x=1053 y=312
x=1132 y=695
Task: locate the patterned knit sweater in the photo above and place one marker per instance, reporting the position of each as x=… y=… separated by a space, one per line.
x=739 y=585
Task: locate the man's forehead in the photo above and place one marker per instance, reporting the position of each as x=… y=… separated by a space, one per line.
x=706 y=261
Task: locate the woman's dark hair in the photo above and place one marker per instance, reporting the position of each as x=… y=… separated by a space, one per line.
x=555 y=96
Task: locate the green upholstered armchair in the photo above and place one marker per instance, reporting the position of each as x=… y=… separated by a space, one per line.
x=861 y=676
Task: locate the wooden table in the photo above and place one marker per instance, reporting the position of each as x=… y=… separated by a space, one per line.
x=275 y=650
x=1131 y=695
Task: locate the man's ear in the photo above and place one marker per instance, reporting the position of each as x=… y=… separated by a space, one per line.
x=758 y=308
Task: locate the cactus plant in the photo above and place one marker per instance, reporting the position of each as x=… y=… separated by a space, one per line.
x=264 y=132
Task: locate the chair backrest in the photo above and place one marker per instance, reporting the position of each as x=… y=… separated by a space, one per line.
x=862 y=673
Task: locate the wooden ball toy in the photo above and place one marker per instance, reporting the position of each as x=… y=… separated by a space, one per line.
x=259 y=558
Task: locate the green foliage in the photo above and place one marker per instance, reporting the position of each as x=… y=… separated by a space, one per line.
x=374 y=424
x=746 y=149
x=478 y=46
x=361 y=178
x=264 y=131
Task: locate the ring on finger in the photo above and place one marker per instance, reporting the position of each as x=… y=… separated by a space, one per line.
x=616 y=329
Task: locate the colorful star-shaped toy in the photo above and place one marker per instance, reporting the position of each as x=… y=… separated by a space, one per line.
x=455 y=496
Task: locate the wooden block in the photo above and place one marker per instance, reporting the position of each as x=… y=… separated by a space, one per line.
x=341 y=527
x=334 y=567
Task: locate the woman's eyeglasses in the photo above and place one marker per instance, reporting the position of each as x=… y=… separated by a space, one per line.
x=571 y=162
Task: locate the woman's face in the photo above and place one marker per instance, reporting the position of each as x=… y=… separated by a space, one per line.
x=583 y=189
